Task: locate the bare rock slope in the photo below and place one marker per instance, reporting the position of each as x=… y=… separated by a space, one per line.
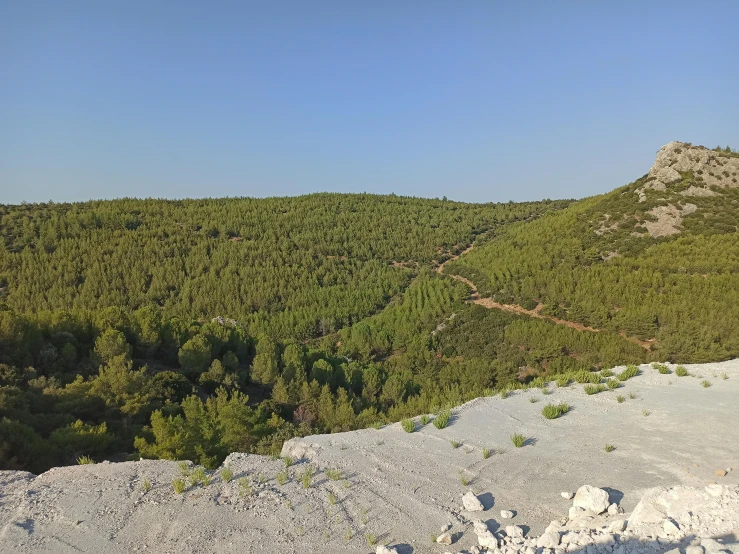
x=667 y=481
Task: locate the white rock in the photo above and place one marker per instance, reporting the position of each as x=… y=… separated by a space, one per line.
x=617 y=525
x=670 y=527
x=444 y=538
x=548 y=540
x=506 y=514
x=711 y=545
x=567 y=495
x=613 y=509
x=715 y=489
x=673 y=551
x=385 y=550
x=694 y=549
x=514 y=531
x=591 y=498
x=446 y=527
x=471 y=503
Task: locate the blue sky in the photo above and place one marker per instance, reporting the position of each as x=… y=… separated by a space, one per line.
x=478 y=101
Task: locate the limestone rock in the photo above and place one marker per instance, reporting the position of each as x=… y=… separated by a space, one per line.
x=667 y=175
x=613 y=510
x=694 y=549
x=514 y=531
x=720 y=473
x=715 y=490
x=506 y=514
x=444 y=538
x=591 y=498
x=471 y=503
x=485 y=537
x=381 y=549
x=617 y=525
x=548 y=540
x=670 y=527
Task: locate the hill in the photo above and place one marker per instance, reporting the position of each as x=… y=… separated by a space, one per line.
x=657 y=259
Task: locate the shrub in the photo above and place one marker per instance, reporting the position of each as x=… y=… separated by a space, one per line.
x=662 y=368
x=287 y=460
x=442 y=419
x=371 y=539
x=537 y=383
x=282 y=477
x=146 y=485
x=334 y=474
x=245 y=488
x=425 y=419
x=227 y=474
x=628 y=373
x=408 y=425
x=594 y=389
x=563 y=380
x=645 y=412
x=504 y=393
x=486 y=453
x=533 y=400
x=613 y=383
x=184 y=469
x=632 y=395
x=455 y=444
x=680 y=371
x=705 y=384
x=553 y=411
x=545 y=391
x=84 y=460
x=178 y=485
x=606 y=373
x=306 y=477
x=621 y=398
x=331 y=498
x=610 y=448
x=518 y=440
x=197 y=476
x=464 y=479
x=724 y=376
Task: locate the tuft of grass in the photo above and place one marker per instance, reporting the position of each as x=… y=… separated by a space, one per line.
x=348 y=535
x=610 y=448
x=377 y=425
x=197 y=476
x=594 y=389
x=533 y=400
x=563 y=380
x=680 y=371
x=705 y=384
x=486 y=453
x=425 y=419
x=227 y=474
x=282 y=477
x=606 y=373
x=287 y=460
x=464 y=479
x=632 y=396
x=334 y=474
x=621 y=398
x=662 y=368
x=184 y=469
x=645 y=412
x=306 y=477
x=178 y=485
x=724 y=376
x=146 y=485
x=504 y=393
x=518 y=440
x=331 y=498
x=85 y=460
x=245 y=488
x=553 y=411
x=613 y=383
x=408 y=425
x=442 y=419
x=455 y=443
x=371 y=539
x=544 y=391
x=628 y=373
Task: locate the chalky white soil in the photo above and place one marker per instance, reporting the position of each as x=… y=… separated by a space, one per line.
x=401 y=489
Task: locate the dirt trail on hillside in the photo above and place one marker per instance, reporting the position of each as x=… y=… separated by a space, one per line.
x=489 y=303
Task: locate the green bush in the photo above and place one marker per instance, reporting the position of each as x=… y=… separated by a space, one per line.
x=662 y=368
x=442 y=419
x=594 y=389
x=408 y=425
x=680 y=371
x=628 y=373
x=518 y=440
x=553 y=411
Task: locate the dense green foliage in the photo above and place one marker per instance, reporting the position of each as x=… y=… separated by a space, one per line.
x=594 y=263
x=107 y=345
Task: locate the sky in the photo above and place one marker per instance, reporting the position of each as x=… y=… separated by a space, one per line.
x=479 y=101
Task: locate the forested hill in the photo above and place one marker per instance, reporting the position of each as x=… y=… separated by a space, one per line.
x=657 y=259
x=290 y=267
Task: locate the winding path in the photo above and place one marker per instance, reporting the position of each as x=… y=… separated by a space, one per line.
x=489 y=303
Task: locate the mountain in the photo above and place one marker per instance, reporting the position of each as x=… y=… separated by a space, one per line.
x=657 y=260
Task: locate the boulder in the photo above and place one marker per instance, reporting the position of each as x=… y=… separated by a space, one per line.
x=591 y=498
x=613 y=510
x=485 y=537
x=548 y=540
x=514 y=531
x=471 y=503
x=616 y=526
x=506 y=514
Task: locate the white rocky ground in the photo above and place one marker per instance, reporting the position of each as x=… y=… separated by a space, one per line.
x=403 y=490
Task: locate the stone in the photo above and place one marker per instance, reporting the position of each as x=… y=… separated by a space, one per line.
x=548 y=540
x=667 y=175
x=485 y=537
x=670 y=527
x=617 y=525
x=712 y=546
x=673 y=551
x=567 y=495
x=446 y=527
x=471 y=503
x=577 y=512
x=506 y=514
x=514 y=531
x=381 y=549
x=714 y=490
x=694 y=549
x=720 y=473
x=444 y=538
x=613 y=509
x=591 y=498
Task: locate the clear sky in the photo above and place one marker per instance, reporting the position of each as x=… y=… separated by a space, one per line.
x=479 y=101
